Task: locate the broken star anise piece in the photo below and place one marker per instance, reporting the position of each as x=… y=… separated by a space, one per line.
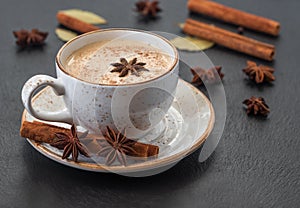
x=201 y=75
x=148 y=8
x=124 y=67
x=115 y=146
x=257 y=106
x=30 y=38
x=70 y=144
x=259 y=74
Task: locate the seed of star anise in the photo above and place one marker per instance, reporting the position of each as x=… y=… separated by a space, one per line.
x=201 y=75
x=259 y=74
x=257 y=106
x=70 y=144
x=115 y=146
x=30 y=38
x=148 y=8
x=124 y=67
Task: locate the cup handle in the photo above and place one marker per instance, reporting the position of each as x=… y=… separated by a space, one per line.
x=35 y=83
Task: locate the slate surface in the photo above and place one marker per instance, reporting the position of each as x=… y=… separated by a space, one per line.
x=255 y=165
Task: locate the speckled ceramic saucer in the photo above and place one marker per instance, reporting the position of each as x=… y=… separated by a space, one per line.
x=185 y=127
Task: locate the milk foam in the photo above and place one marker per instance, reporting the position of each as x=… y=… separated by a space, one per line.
x=92 y=63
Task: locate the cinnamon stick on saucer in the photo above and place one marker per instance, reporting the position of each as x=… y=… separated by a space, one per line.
x=42 y=132
x=229 y=39
x=234 y=16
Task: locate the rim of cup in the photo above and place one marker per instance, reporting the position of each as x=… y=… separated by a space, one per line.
x=61 y=67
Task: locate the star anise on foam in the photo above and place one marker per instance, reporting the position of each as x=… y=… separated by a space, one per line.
x=257 y=106
x=124 y=67
x=259 y=74
x=30 y=38
x=201 y=75
x=115 y=146
x=148 y=8
x=70 y=144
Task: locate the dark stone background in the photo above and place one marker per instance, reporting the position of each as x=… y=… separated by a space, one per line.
x=255 y=165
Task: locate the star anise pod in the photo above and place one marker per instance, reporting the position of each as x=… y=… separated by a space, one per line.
x=259 y=74
x=124 y=67
x=148 y=8
x=30 y=38
x=70 y=144
x=257 y=106
x=201 y=75
x=115 y=147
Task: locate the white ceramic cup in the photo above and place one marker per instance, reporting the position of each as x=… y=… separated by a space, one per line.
x=136 y=107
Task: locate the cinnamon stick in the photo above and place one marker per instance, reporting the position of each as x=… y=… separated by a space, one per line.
x=42 y=132
x=144 y=150
x=234 y=16
x=141 y=149
x=75 y=24
x=229 y=39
